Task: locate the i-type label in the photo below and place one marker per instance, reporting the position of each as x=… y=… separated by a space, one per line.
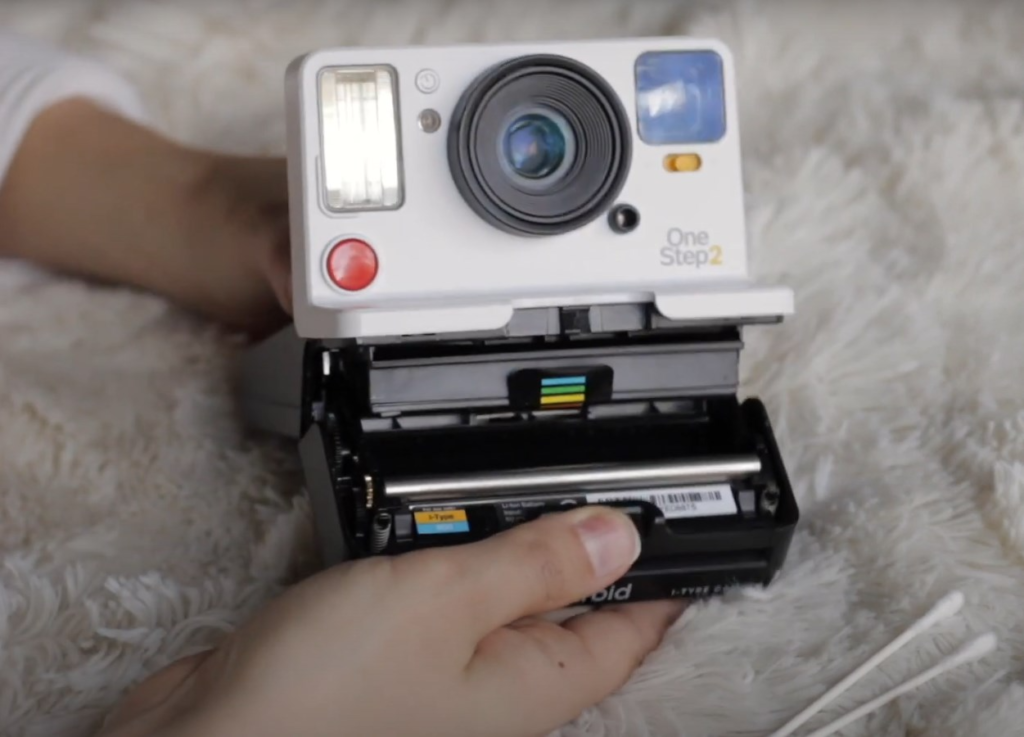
x=691 y=248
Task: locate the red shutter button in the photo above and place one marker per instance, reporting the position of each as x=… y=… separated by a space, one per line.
x=352 y=264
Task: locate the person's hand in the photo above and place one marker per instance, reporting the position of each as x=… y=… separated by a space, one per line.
x=447 y=642
x=97 y=196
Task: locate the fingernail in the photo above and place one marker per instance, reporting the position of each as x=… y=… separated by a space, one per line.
x=611 y=540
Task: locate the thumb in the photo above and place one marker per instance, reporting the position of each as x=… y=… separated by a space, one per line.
x=543 y=565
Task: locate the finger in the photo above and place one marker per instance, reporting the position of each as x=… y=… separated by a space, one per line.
x=277 y=268
x=549 y=673
x=539 y=566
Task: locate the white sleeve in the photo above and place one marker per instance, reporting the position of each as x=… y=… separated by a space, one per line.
x=34 y=76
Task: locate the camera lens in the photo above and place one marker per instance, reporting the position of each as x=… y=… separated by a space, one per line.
x=536 y=145
x=539 y=145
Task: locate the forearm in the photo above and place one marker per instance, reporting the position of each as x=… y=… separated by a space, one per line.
x=97 y=196
x=74 y=198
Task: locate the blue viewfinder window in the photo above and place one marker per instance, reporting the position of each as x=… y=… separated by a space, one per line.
x=680 y=97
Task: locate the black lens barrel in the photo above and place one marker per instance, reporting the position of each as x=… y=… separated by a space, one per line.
x=600 y=126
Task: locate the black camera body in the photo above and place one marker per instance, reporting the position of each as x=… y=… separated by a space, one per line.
x=414 y=444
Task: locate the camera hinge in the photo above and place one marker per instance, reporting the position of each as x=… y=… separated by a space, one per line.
x=574 y=320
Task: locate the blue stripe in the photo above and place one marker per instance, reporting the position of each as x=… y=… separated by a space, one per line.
x=564 y=380
x=441 y=528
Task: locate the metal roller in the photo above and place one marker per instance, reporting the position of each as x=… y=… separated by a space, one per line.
x=593 y=477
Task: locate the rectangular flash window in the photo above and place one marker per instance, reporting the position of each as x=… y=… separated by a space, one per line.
x=361 y=152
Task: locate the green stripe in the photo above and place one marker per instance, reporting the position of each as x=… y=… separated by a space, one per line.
x=579 y=389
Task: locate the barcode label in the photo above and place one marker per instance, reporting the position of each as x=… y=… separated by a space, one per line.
x=678 y=502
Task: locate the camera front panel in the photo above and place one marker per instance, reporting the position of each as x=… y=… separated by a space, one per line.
x=514 y=175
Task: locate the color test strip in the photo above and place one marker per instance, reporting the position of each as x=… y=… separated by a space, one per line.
x=551 y=390
x=559 y=390
x=563 y=380
x=563 y=399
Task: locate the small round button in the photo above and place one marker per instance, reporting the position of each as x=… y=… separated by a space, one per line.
x=430 y=121
x=427 y=81
x=352 y=264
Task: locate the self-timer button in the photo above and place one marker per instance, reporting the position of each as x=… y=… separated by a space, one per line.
x=352 y=264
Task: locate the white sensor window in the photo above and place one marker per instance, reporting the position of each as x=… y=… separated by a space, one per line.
x=359 y=112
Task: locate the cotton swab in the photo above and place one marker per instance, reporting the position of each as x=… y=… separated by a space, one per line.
x=946 y=607
x=974 y=650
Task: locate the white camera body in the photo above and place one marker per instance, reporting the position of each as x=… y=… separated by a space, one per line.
x=437 y=190
x=520 y=286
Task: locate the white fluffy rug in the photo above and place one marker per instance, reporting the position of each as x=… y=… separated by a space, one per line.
x=885 y=164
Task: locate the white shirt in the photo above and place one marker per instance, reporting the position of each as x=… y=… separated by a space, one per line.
x=34 y=76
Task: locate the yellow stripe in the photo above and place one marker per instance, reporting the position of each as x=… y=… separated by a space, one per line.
x=563 y=399
x=449 y=515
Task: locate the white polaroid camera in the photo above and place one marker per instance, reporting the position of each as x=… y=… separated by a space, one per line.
x=439 y=190
x=520 y=280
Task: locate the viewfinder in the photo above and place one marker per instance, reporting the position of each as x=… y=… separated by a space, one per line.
x=680 y=97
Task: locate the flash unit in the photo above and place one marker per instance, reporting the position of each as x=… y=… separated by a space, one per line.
x=359 y=126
